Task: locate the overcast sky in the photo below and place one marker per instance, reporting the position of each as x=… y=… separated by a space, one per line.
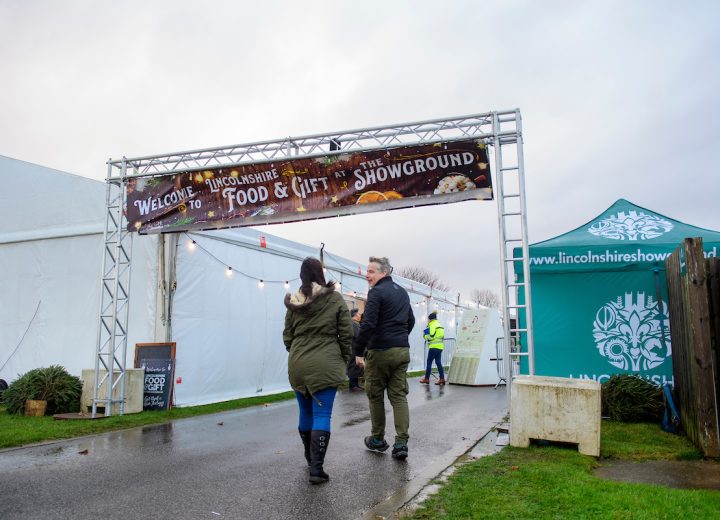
x=620 y=99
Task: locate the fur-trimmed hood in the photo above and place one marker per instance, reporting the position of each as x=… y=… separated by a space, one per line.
x=298 y=301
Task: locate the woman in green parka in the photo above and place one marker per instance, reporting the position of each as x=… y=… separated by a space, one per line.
x=318 y=335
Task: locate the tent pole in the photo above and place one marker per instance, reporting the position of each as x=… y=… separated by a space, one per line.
x=171 y=285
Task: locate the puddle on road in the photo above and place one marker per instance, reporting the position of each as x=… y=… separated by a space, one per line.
x=430 y=394
x=356 y=420
x=681 y=474
x=53 y=450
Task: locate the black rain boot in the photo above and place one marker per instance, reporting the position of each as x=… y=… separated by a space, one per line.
x=318 y=447
x=305 y=436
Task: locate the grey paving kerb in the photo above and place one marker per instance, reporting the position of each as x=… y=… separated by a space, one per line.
x=245 y=464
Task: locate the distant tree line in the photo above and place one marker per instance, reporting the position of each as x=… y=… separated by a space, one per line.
x=484 y=297
x=422 y=275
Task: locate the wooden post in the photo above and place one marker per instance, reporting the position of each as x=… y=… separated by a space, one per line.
x=713 y=273
x=694 y=361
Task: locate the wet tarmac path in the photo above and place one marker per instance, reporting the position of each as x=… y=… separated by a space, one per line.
x=245 y=463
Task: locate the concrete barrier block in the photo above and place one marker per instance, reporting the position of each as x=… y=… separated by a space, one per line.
x=134 y=388
x=555 y=409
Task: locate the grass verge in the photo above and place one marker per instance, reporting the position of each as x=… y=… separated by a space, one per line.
x=642 y=441
x=17 y=430
x=557 y=482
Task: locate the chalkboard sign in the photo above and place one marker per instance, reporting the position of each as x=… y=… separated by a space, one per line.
x=158 y=383
x=158 y=360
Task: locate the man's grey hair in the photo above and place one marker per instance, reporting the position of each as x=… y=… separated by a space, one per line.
x=383 y=262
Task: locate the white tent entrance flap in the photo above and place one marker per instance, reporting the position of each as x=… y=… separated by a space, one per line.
x=291 y=179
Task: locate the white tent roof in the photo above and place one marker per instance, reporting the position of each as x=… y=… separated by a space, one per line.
x=39 y=202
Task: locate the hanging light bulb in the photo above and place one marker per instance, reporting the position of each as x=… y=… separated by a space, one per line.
x=287 y=285
x=354 y=294
x=191 y=245
x=261 y=284
x=228 y=271
x=338 y=286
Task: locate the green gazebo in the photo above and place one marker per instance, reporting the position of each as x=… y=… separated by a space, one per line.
x=599 y=295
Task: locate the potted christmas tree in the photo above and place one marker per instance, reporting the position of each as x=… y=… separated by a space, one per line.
x=43 y=391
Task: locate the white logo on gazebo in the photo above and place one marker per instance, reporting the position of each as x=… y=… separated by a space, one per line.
x=631 y=226
x=629 y=333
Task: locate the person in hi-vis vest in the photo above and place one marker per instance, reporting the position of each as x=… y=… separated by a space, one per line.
x=434 y=335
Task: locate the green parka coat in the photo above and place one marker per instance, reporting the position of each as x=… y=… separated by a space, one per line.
x=318 y=335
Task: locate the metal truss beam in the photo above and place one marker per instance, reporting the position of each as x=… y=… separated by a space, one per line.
x=478 y=126
x=112 y=332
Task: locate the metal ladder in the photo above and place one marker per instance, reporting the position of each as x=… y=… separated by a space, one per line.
x=512 y=219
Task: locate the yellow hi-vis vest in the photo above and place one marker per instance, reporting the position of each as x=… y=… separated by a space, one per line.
x=435 y=335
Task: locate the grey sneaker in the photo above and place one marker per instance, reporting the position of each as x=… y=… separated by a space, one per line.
x=400 y=451
x=375 y=444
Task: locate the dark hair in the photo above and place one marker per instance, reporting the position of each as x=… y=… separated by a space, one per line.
x=432 y=315
x=311 y=271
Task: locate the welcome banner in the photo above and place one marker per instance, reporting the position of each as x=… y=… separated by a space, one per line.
x=308 y=188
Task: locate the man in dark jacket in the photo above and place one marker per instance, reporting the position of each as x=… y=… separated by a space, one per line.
x=386 y=325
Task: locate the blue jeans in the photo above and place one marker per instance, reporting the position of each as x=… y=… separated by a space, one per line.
x=434 y=354
x=315 y=411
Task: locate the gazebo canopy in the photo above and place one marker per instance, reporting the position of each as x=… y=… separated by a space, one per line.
x=624 y=236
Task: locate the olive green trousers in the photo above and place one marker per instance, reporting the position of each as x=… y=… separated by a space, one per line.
x=387 y=370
